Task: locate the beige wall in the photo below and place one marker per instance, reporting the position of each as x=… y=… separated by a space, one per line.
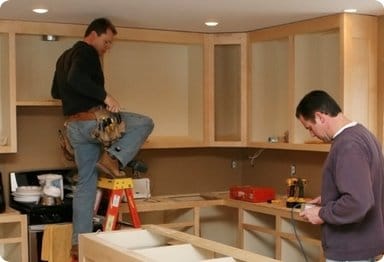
x=272 y=168
x=172 y=171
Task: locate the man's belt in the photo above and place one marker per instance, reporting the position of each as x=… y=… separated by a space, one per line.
x=82 y=116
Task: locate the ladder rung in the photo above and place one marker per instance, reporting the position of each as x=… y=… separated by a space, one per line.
x=115 y=183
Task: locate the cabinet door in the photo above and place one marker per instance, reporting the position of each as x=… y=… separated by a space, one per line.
x=163 y=81
x=7 y=94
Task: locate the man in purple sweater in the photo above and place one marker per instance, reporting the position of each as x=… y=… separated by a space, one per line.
x=350 y=209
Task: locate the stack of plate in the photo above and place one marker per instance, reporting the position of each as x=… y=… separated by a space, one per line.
x=27 y=194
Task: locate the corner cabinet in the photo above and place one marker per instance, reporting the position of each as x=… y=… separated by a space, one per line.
x=13 y=236
x=336 y=54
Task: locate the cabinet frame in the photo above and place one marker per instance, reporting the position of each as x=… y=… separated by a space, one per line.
x=358 y=66
x=358 y=75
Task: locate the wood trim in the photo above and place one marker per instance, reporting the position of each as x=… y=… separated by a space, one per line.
x=300 y=27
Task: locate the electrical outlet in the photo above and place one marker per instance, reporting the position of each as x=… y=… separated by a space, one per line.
x=293 y=169
x=234 y=164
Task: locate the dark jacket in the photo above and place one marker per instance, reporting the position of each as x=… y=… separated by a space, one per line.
x=79 y=79
x=352 y=197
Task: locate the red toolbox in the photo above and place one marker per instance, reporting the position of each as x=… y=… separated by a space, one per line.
x=252 y=193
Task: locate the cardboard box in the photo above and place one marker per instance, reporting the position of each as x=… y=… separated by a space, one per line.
x=252 y=193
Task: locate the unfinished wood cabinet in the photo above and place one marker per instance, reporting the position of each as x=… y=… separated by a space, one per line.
x=270 y=230
x=226 y=82
x=336 y=54
x=35 y=66
x=13 y=236
x=160 y=74
x=156 y=73
x=156 y=243
x=276 y=231
x=8 y=143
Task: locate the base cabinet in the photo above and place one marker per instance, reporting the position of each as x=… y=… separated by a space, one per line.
x=278 y=232
x=13 y=237
x=269 y=230
x=157 y=243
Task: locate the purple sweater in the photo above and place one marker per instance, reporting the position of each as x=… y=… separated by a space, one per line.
x=353 y=197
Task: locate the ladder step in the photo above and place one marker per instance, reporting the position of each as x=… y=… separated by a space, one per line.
x=118 y=186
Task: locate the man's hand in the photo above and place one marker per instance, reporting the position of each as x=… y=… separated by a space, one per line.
x=312 y=215
x=112 y=104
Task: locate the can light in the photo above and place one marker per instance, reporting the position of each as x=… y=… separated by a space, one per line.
x=381 y=2
x=2 y=2
x=40 y=10
x=350 y=10
x=211 y=23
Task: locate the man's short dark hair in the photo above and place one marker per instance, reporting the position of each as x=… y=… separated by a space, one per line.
x=100 y=26
x=317 y=101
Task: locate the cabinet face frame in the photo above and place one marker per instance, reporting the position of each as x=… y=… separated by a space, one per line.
x=14 y=236
x=195 y=136
x=8 y=135
x=214 y=138
x=357 y=32
x=354 y=31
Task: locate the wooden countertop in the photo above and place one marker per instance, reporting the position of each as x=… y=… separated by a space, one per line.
x=169 y=202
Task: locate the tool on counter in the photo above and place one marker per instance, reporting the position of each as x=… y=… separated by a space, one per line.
x=252 y=193
x=295 y=191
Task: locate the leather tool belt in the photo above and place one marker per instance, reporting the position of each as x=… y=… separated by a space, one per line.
x=82 y=116
x=109 y=127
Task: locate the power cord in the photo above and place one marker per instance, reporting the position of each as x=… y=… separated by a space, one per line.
x=293 y=222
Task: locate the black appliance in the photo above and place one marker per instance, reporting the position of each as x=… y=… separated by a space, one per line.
x=39 y=215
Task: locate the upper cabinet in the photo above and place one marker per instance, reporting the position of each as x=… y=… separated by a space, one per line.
x=336 y=54
x=160 y=74
x=35 y=65
x=226 y=92
x=8 y=143
x=234 y=89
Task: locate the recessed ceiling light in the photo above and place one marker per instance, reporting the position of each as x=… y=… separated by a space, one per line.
x=381 y=2
x=211 y=23
x=2 y=2
x=350 y=10
x=40 y=10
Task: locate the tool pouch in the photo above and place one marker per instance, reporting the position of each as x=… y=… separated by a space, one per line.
x=65 y=145
x=109 y=127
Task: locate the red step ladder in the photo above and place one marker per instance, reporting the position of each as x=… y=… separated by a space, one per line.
x=118 y=186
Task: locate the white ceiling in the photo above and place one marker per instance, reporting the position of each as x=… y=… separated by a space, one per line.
x=185 y=15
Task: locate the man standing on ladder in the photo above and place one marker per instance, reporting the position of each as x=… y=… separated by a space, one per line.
x=94 y=120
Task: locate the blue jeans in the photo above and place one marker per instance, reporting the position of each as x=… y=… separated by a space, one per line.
x=87 y=152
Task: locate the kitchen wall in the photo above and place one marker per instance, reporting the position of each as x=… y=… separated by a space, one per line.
x=272 y=167
x=172 y=171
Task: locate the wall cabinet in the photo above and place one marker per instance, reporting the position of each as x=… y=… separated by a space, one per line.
x=336 y=54
x=234 y=90
x=13 y=236
x=226 y=84
x=163 y=81
x=8 y=141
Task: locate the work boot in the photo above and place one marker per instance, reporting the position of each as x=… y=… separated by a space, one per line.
x=109 y=165
x=75 y=253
